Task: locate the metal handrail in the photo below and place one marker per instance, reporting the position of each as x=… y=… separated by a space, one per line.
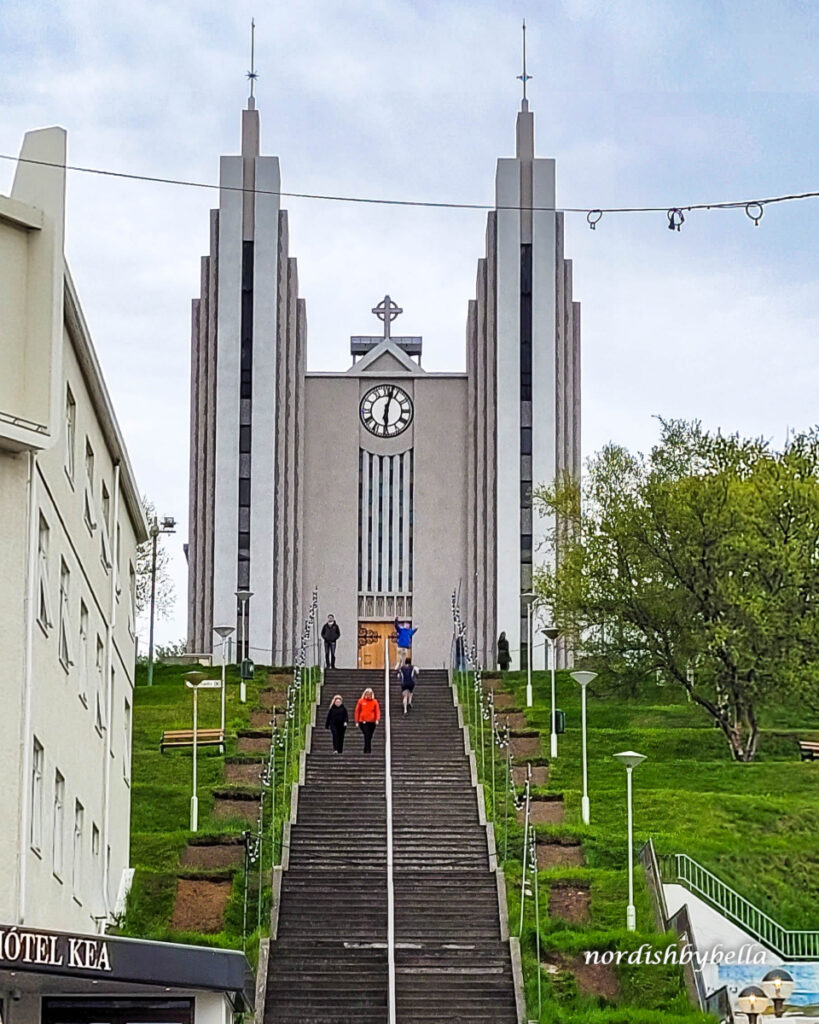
x=390 y=865
x=790 y=944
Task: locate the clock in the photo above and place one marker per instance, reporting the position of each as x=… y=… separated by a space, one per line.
x=386 y=410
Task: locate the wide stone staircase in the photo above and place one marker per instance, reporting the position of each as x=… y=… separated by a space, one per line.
x=451 y=964
x=329 y=962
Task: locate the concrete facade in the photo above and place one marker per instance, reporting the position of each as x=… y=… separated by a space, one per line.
x=72 y=519
x=386 y=525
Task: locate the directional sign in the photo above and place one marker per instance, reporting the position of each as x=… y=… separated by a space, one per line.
x=206 y=684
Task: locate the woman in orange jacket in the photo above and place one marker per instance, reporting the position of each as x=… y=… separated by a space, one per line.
x=367 y=717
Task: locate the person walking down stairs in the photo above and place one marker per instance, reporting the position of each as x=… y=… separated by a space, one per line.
x=330 y=634
x=337 y=718
x=407 y=675
x=367 y=717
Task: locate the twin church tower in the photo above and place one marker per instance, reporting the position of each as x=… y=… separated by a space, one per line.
x=385 y=487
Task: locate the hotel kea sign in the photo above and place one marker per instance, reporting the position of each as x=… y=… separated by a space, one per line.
x=116 y=959
x=23 y=948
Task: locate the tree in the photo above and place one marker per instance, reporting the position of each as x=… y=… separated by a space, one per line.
x=699 y=562
x=165 y=596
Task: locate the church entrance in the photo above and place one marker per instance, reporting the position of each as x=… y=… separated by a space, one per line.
x=371 y=644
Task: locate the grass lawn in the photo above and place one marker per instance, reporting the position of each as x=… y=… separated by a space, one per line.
x=754 y=825
x=161 y=793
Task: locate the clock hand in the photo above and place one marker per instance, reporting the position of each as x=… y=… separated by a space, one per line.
x=386 y=417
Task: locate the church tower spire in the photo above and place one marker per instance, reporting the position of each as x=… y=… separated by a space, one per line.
x=525 y=133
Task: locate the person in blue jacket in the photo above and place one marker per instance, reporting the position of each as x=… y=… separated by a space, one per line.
x=403 y=641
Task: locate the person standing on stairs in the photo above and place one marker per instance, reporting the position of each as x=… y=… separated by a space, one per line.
x=403 y=641
x=407 y=675
x=504 y=657
x=367 y=717
x=337 y=719
x=330 y=634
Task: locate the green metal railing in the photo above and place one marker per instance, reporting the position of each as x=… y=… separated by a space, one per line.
x=787 y=943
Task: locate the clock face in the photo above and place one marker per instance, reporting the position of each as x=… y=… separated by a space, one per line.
x=386 y=410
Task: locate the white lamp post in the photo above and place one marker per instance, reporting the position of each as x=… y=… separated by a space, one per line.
x=530 y=598
x=584 y=678
x=630 y=759
x=196 y=681
x=224 y=632
x=551 y=633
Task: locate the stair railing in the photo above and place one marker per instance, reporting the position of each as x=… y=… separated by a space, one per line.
x=801 y=944
x=264 y=846
x=390 y=865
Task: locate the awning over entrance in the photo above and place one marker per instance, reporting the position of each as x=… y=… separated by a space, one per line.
x=62 y=973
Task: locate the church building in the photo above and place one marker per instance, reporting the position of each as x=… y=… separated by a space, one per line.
x=431 y=474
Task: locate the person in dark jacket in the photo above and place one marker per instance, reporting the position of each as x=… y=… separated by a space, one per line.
x=407 y=675
x=504 y=657
x=337 y=719
x=330 y=634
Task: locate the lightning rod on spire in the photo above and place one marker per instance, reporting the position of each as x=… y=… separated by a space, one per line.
x=252 y=74
x=524 y=77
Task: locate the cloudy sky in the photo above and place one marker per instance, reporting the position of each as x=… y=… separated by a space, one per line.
x=641 y=102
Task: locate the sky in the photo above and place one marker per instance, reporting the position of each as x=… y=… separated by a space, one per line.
x=641 y=103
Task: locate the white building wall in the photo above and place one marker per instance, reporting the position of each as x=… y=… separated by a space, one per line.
x=49 y=685
x=228 y=365
x=263 y=454
x=507 y=409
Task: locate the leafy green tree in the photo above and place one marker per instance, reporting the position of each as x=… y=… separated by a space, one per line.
x=700 y=563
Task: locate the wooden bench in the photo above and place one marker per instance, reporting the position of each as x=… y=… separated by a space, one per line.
x=809 y=750
x=184 y=738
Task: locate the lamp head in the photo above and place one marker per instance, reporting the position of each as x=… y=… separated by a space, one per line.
x=193 y=679
x=551 y=633
x=584 y=678
x=777 y=984
x=629 y=758
x=168 y=523
x=752 y=1000
x=224 y=631
x=244 y=595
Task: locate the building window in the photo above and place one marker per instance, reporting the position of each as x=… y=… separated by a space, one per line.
x=132 y=600
x=70 y=432
x=83 y=673
x=99 y=705
x=89 y=505
x=64 y=646
x=37 y=765
x=106 y=508
x=59 y=823
x=126 y=755
x=43 y=597
x=76 y=859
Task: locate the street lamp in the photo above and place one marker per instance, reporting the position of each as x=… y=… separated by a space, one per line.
x=753 y=1002
x=530 y=597
x=630 y=759
x=551 y=633
x=777 y=986
x=584 y=678
x=244 y=597
x=168 y=526
x=224 y=632
x=193 y=681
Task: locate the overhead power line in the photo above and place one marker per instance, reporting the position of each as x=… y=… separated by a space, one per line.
x=754 y=208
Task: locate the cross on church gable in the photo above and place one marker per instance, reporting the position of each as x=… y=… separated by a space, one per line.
x=386 y=310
